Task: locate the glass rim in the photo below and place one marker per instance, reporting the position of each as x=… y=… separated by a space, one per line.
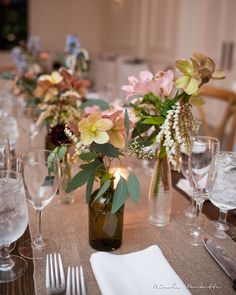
x=10 y=172
x=20 y=156
x=4 y=141
x=205 y=137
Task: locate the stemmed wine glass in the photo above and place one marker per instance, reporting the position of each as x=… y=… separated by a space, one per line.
x=40 y=173
x=202 y=162
x=223 y=196
x=13 y=223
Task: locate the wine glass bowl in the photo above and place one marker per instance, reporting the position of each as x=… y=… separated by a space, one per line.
x=40 y=172
x=13 y=223
x=223 y=196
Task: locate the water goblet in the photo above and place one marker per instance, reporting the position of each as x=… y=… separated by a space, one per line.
x=201 y=164
x=40 y=173
x=223 y=196
x=13 y=223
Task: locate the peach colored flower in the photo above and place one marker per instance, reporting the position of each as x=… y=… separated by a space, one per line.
x=94 y=128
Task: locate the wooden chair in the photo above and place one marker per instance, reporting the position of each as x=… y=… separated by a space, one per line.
x=221 y=103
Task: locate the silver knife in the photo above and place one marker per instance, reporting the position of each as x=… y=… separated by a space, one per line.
x=227 y=263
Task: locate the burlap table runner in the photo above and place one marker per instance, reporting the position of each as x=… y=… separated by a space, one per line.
x=68 y=225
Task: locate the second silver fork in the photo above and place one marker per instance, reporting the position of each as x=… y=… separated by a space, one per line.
x=75 y=281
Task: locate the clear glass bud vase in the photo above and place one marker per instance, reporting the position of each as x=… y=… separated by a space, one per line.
x=160 y=193
x=66 y=176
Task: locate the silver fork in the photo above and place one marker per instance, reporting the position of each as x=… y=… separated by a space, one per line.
x=75 y=281
x=55 y=278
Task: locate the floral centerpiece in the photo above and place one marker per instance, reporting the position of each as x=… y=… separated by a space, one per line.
x=75 y=58
x=163 y=109
x=99 y=138
x=31 y=62
x=61 y=94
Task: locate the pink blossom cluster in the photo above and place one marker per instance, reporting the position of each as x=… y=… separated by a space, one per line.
x=160 y=84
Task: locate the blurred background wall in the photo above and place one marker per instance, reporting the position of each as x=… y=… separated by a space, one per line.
x=158 y=31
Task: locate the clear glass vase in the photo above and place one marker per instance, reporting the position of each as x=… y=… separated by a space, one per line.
x=160 y=193
x=66 y=176
x=105 y=228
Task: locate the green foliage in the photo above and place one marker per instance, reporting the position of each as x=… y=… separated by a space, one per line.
x=103 y=189
x=89 y=186
x=91 y=102
x=78 y=180
x=154 y=120
x=106 y=149
x=133 y=187
x=62 y=152
x=88 y=156
x=120 y=195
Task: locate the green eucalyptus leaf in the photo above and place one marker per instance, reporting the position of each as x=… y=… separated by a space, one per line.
x=120 y=195
x=140 y=128
x=133 y=187
x=103 y=189
x=88 y=156
x=127 y=123
x=62 y=152
x=91 y=102
x=154 y=120
x=78 y=180
x=106 y=149
x=89 y=186
x=50 y=161
x=91 y=166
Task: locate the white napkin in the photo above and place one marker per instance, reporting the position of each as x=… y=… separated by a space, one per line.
x=184 y=185
x=145 y=272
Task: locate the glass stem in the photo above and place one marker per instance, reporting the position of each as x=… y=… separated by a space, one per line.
x=6 y=262
x=199 y=206
x=221 y=223
x=38 y=241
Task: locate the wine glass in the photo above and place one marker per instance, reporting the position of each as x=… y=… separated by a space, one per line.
x=201 y=164
x=13 y=223
x=223 y=196
x=40 y=173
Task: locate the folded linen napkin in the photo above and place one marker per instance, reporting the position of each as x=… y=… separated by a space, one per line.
x=145 y=272
x=184 y=185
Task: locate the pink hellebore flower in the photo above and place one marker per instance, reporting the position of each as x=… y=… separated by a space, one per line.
x=94 y=128
x=117 y=132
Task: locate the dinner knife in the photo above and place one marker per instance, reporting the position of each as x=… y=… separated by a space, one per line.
x=227 y=263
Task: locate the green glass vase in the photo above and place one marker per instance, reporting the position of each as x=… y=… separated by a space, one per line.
x=105 y=228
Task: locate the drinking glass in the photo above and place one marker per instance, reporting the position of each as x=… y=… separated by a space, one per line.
x=13 y=223
x=40 y=173
x=223 y=196
x=202 y=162
x=5 y=163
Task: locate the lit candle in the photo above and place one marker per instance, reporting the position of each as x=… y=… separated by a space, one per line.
x=118 y=172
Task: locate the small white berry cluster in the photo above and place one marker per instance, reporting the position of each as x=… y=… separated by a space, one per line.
x=140 y=151
x=176 y=131
x=79 y=147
